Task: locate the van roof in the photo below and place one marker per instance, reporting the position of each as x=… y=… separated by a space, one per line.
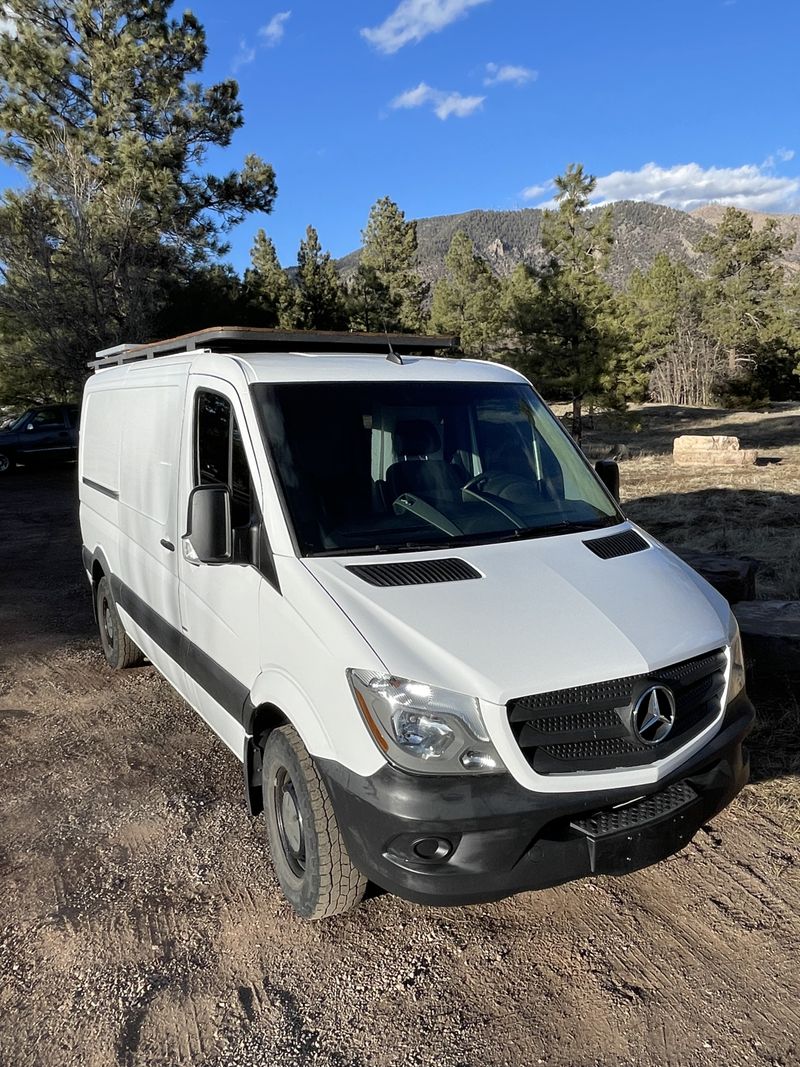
x=270 y=355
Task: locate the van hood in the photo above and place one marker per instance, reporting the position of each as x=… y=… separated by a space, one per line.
x=545 y=614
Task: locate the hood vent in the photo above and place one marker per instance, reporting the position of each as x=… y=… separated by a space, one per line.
x=420 y=572
x=621 y=544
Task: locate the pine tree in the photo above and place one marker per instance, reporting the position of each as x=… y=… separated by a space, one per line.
x=745 y=310
x=467 y=300
x=270 y=292
x=319 y=298
x=389 y=257
x=371 y=307
x=664 y=310
x=578 y=345
x=99 y=113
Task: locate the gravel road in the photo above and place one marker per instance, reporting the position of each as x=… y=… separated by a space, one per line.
x=140 y=923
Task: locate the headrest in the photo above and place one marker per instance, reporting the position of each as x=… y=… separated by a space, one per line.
x=416 y=437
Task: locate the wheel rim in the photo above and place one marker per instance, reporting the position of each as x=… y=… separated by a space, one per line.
x=108 y=623
x=290 y=822
x=5 y=462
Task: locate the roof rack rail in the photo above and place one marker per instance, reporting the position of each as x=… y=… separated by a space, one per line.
x=233 y=339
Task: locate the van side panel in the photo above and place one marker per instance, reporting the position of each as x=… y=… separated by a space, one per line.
x=130 y=448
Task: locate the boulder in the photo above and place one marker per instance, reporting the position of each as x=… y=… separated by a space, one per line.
x=734 y=578
x=712 y=450
x=771 y=635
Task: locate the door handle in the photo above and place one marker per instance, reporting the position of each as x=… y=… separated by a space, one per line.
x=167 y=544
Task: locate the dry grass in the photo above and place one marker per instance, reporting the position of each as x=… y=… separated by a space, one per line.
x=751 y=511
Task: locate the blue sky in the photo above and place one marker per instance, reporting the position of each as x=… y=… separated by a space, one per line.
x=448 y=105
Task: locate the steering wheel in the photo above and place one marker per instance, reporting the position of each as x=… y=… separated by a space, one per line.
x=474 y=482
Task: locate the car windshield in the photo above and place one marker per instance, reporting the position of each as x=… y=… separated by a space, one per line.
x=377 y=467
x=13 y=422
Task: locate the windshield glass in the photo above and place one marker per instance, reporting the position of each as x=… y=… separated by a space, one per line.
x=373 y=466
x=13 y=421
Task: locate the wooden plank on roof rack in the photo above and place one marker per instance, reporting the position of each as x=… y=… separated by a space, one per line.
x=258 y=339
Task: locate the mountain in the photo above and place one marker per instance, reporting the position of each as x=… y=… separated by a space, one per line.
x=789 y=226
x=641 y=231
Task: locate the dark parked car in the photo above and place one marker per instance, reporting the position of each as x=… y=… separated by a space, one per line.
x=40 y=434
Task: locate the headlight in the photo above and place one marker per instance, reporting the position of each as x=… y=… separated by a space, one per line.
x=736 y=681
x=422 y=728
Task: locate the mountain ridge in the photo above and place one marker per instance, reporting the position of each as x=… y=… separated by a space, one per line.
x=641 y=231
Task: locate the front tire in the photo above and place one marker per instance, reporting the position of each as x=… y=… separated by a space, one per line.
x=307 y=848
x=118 y=648
x=6 y=462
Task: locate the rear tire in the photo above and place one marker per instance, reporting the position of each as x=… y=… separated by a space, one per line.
x=307 y=848
x=118 y=648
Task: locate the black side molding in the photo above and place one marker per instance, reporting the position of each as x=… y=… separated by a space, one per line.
x=112 y=493
x=209 y=675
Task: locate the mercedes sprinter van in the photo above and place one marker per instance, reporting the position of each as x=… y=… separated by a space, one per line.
x=397 y=591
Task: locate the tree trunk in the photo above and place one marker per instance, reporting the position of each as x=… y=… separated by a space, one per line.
x=577 y=419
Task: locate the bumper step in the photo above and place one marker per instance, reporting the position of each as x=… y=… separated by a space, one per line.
x=640 y=812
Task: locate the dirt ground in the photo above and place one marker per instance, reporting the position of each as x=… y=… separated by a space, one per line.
x=140 y=923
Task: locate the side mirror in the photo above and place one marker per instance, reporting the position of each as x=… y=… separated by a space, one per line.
x=30 y=426
x=608 y=473
x=208 y=530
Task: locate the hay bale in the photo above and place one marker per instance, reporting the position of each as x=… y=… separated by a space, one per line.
x=711 y=450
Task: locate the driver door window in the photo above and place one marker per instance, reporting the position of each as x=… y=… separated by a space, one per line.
x=220 y=457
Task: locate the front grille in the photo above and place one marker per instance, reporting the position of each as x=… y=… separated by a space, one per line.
x=416 y=572
x=587 y=728
x=644 y=810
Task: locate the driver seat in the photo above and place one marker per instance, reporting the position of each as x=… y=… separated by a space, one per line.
x=435 y=480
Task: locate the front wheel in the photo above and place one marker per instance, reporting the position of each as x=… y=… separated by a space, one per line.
x=307 y=848
x=6 y=462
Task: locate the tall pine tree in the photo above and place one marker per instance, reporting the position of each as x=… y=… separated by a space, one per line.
x=99 y=112
x=319 y=302
x=578 y=348
x=389 y=258
x=467 y=300
x=746 y=306
x=269 y=290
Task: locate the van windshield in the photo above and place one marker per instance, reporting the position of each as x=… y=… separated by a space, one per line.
x=380 y=467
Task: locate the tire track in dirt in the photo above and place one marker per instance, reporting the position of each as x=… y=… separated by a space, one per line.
x=140 y=923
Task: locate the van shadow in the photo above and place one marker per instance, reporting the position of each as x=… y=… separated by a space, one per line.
x=746 y=523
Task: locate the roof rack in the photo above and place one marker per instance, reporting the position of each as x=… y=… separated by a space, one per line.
x=232 y=339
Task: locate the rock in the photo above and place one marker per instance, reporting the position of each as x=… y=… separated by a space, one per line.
x=771 y=635
x=713 y=450
x=734 y=578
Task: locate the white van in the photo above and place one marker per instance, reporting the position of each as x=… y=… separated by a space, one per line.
x=396 y=590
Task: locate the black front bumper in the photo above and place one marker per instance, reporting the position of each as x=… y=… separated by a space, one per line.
x=497 y=838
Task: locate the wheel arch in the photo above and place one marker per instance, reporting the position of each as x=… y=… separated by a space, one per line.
x=97 y=567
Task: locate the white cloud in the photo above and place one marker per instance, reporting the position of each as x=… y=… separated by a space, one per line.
x=688 y=186
x=444 y=104
x=245 y=55
x=273 y=31
x=532 y=192
x=497 y=74
x=780 y=155
x=270 y=34
x=412 y=20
